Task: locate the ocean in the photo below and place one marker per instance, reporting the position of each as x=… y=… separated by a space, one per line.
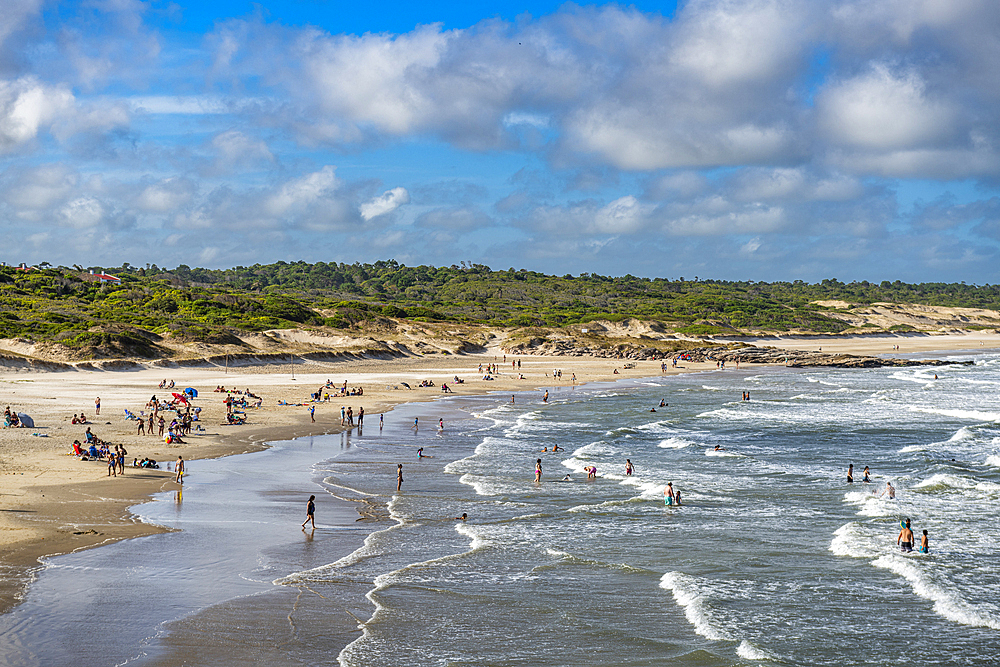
x=773 y=558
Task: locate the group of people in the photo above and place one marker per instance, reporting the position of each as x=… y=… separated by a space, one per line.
x=905 y=539
x=347 y=416
x=167 y=384
x=10 y=419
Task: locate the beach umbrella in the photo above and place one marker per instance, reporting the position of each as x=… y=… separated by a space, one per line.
x=26 y=420
x=180 y=397
x=193 y=393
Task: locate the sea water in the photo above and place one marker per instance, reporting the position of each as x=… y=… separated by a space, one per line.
x=773 y=558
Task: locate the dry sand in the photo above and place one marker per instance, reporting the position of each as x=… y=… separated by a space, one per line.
x=51 y=502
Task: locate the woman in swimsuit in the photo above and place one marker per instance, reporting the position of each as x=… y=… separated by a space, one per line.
x=868 y=478
x=538 y=470
x=628 y=467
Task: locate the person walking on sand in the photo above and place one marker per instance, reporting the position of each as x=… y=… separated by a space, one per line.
x=538 y=471
x=141 y=429
x=310 y=513
x=399 y=476
x=97 y=405
x=179 y=467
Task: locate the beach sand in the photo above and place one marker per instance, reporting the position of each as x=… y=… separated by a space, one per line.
x=52 y=503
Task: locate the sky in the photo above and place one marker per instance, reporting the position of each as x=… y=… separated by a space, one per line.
x=723 y=139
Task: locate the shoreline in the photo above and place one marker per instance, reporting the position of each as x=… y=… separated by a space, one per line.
x=63 y=517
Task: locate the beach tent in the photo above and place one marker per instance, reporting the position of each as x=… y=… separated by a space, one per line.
x=193 y=393
x=26 y=420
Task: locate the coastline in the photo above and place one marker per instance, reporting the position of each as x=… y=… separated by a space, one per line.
x=43 y=519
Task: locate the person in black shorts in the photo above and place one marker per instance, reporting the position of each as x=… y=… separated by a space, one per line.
x=310 y=512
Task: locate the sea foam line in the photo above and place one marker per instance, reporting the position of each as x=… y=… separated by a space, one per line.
x=947 y=604
x=687 y=595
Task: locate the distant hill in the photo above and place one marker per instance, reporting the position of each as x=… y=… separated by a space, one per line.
x=151 y=309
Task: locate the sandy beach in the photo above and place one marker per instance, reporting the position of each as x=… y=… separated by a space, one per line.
x=54 y=503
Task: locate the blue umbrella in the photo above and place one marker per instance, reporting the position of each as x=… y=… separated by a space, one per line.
x=193 y=393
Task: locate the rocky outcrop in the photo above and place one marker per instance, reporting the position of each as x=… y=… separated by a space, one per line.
x=729 y=354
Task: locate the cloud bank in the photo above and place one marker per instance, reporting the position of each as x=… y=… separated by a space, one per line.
x=748 y=139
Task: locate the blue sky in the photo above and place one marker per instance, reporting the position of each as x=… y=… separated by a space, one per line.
x=754 y=139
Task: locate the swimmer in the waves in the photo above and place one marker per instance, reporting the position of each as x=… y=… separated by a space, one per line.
x=668 y=494
x=719 y=448
x=925 y=544
x=628 y=467
x=868 y=477
x=462 y=518
x=850 y=474
x=905 y=538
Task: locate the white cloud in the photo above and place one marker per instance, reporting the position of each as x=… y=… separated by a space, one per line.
x=82 y=213
x=299 y=193
x=387 y=202
x=166 y=196
x=881 y=109
x=178 y=104
x=26 y=105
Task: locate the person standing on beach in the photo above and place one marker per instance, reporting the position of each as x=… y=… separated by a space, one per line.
x=97 y=405
x=179 y=467
x=361 y=417
x=121 y=459
x=343 y=415
x=312 y=413
x=538 y=471
x=113 y=462
x=310 y=513
x=141 y=428
x=399 y=476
